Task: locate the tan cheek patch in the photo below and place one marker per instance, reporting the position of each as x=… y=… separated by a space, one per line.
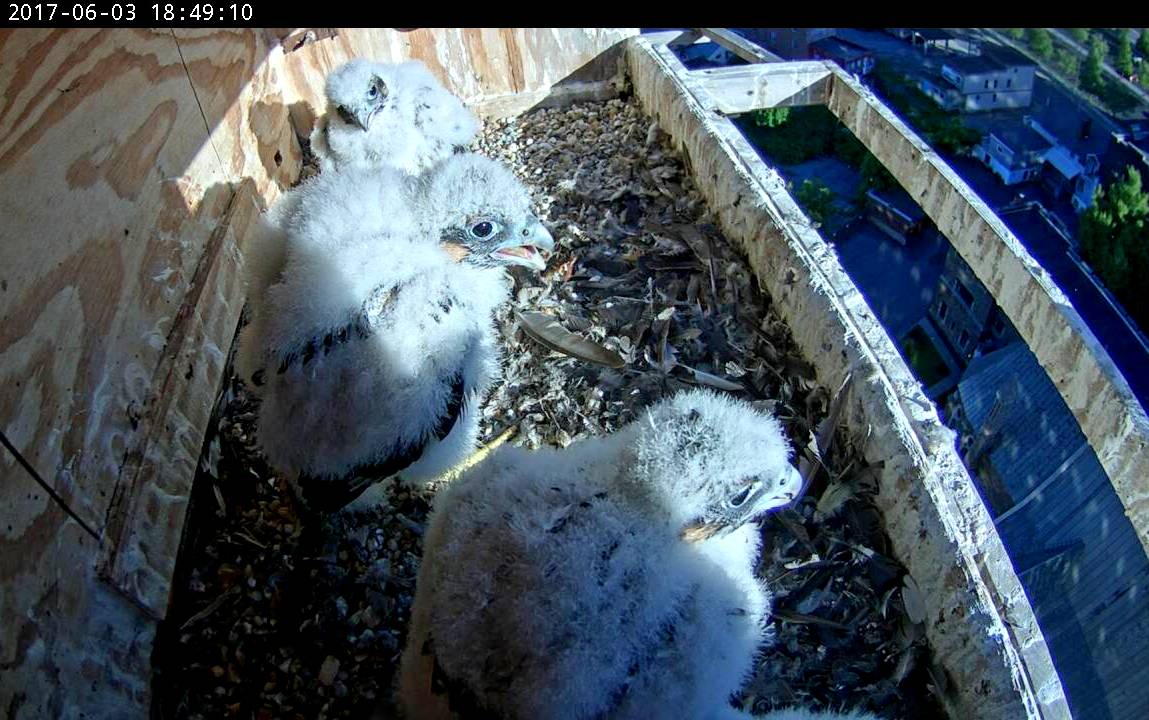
x=700 y=532
x=456 y=251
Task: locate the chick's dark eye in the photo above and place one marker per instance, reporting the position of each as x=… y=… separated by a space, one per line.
x=482 y=229
x=378 y=89
x=740 y=498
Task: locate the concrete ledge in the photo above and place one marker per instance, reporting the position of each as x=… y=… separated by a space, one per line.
x=981 y=626
x=1094 y=389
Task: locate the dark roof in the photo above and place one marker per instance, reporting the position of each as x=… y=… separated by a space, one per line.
x=1039 y=431
x=838 y=48
x=1020 y=137
x=1078 y=556
x=1119 y=153
x=990 y=60
x=900 y=200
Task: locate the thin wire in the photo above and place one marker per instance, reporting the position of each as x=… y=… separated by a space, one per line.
x=51 y=493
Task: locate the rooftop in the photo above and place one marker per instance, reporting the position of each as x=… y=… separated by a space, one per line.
x=990 y=60
x=839 y=48
x=1019 y=137
x=899 y=200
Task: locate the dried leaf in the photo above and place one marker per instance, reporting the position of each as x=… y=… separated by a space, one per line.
x=828 y=425
x=547 y=331
x=912 y=599
x=705 y=378
x=832 y=500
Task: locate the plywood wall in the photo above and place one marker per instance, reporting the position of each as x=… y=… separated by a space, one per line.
x=131 y=163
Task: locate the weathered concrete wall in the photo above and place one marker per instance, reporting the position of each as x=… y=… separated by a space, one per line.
x=1110 y=416
x=981 y=626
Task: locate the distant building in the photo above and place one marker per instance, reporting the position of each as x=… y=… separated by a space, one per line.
x=706 y=55
x=790 y=43
x=895 y=213
x=1076 y=553
x=1123 y=152
x=995 y=80
x=1014 y=152
x=850 y=56
x=1063 y=174
x=927 y=37
x=964 y=311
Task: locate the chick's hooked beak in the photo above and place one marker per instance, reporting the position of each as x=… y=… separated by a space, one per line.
x=526 y=247
x=767 y=496
x=360 y=119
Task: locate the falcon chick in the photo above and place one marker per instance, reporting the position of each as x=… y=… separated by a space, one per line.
x=377 y=340
x=614 y=578
x=390 y=115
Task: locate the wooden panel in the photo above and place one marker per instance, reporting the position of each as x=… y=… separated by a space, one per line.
x=98 y=181
x=70 y=646
x=127 y=179
x=235 y=84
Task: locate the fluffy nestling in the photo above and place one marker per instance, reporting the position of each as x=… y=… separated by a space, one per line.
x=377 y=339
x=390 y=115
x=614 y=578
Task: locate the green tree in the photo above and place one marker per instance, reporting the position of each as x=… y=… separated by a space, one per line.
x=1039 y=41
x=1091 y=77
x=1143 y=43
x=1114 y=237
x=1015 y=33
x=771 y=117
x=1098 y=45
x=1123 y=57
x=816 y=199
x=1066 y=59
x=1081 y=35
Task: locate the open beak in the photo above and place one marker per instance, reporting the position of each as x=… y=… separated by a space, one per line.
x=766 y=498
x=527 y=248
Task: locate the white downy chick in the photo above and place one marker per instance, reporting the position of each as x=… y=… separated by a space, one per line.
x=614 y=578
x=377 y=340
x=343 y=202
x=390 y=115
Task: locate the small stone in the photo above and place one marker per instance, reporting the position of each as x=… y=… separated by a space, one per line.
x=329 y=670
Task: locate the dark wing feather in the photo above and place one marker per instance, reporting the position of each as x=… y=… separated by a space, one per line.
x=333 y=495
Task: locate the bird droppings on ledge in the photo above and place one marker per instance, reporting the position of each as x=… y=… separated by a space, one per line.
x=268 y=623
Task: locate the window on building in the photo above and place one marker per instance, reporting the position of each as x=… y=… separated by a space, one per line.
x=998 y=326
x=987 y=84
x=964 y=293
x=995 y=97
x=943 y=309
x=1009 y=82
x=963 y=340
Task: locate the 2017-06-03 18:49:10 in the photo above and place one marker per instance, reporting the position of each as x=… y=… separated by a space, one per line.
x=127 y=11
x=204 y=11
